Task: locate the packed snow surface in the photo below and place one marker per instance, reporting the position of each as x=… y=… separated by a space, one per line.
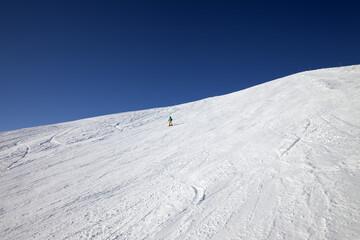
x=279 y=160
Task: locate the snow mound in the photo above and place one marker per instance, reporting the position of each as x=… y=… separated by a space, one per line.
x=279 y=160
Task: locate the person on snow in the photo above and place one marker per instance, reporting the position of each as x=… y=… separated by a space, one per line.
x=170 y=121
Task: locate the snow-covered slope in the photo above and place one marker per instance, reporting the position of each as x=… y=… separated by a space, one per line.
x=277 y=161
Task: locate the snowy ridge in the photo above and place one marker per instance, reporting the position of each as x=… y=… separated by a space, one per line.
x=279 y=160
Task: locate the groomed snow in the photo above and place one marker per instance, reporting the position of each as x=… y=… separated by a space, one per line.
x=279 y=160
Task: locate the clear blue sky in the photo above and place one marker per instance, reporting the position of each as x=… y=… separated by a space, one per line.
x=67 y=60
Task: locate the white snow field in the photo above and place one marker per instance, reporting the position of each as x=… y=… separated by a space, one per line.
x=279 y=160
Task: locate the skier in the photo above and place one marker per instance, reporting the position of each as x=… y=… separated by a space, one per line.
x=170 y=121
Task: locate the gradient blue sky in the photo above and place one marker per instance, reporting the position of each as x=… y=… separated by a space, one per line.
x=67 y=60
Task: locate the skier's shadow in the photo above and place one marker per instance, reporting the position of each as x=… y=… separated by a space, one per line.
x=177 y=124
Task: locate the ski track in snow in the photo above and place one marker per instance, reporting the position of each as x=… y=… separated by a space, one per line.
x=276 y=161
